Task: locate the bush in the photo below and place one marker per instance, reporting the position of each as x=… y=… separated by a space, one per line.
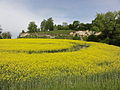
x=76 y=37
x=93 y=38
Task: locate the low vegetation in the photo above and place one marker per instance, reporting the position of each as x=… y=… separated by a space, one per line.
x=57 y=64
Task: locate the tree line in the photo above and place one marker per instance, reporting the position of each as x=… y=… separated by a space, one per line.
x=107 y=23
x=48 y=25
x=5 y=35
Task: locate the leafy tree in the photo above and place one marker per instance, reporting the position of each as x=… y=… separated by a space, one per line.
x=47 y=25
x=76 y=25
x=115 y=33
x=82 y=27
x=64 y=26
x=98 y=23
x=0 y=29
x=95 y=29
x=93 y=38
x=87 y=26
x=59 y=27
x=50 y=24
x=6 y=35
x=71 y=27
x=109 y=25
x=43 y=25
x=32 y=27
x=0 y=32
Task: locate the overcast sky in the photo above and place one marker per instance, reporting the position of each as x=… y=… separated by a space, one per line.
x=16 y=14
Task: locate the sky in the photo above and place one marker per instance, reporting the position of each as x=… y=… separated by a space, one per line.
x=15 y=15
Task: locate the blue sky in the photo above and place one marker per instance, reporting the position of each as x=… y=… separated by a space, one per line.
x=16 y=14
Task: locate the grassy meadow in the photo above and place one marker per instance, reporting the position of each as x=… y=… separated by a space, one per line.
x=58 y=64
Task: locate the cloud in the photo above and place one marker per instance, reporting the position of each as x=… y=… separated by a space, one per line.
x=13 y=18
x=16 y=14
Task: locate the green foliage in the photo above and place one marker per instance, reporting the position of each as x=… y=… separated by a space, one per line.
x=0 y=29
x=32 y=27
x=59 y=27
x=79 y=26
x=47 y=25
x=0 y=32
x=93 y=38
x=76 y=37
x=95 y=29
x=87 y=26
x=64 y=26
x=58 y=34
x=75 y=25
x=43 y=25
x=71 y=27
x=82 y=26
x=6 y=35
x=109 y=25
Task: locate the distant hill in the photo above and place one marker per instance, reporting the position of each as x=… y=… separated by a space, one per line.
x=58 y=34
x=65 y=34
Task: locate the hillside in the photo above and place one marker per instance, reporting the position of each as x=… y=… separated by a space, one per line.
x=48 y=34
x=59 y=34
x=53 y=64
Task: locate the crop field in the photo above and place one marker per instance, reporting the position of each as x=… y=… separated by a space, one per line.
x=57 y=64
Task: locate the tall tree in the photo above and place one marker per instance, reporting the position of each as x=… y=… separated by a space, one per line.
x=32 y=27
x=109 y=25
x=50 y=24
x=43 y=25
x=76 y=25
x=47 y=25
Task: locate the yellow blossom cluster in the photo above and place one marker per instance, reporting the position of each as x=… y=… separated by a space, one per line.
x=96 y=58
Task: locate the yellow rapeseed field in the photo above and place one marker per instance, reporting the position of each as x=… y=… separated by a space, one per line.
x=45 y=64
